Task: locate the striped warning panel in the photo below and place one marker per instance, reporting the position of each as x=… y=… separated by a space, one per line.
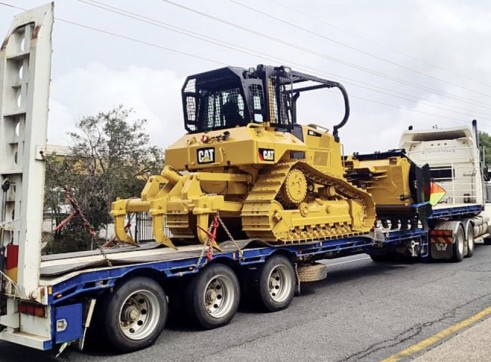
x=441 y=240
x=441 y=236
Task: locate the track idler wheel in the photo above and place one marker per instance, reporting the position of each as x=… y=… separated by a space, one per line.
x=294 y=188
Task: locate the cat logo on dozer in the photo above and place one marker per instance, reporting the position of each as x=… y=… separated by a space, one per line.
x=206 y=155
x=266 y=154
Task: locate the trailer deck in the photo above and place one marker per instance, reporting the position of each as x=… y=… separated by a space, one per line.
x=455 y=210
x=72 y=274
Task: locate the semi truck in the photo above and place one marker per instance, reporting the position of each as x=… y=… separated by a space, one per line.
x=255 y=237
x=456 y=164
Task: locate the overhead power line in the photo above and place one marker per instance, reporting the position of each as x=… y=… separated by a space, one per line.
x=244 y=50
x=124 y=37
x=374 y=56
x=325 y=56
x=12 y=6
x=384 y=46
x=409 y=110
x=117 y=35
x=163 y=25
x=141 y=41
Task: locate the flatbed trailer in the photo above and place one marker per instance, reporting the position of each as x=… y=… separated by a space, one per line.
x=73 y=282
x=51 y=301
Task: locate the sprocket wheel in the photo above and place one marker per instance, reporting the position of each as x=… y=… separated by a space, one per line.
x=294 y=188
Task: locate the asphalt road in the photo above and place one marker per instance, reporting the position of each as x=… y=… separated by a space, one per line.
x=362 y=311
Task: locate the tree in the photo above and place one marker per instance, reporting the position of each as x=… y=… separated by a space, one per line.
x=110 y=158
x=485 y=142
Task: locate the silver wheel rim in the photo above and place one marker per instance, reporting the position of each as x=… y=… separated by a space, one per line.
x=139 y=315
x=460 y=240
x=279 y=283
x=470 y=239
x=219 y=296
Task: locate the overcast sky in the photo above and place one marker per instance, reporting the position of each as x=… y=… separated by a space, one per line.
x=413 y=62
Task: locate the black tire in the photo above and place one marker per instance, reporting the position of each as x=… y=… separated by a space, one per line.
x=134 y=315
x=458 y=245
x=212 y=296
x=470 y=241
x=276 y=283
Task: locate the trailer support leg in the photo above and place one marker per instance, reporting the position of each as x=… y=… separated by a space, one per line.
x=88 y=320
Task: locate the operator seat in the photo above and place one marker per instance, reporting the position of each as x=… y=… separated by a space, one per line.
x=231 y=113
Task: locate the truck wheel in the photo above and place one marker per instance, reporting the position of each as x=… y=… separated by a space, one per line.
x=134 y=314
x=213 y=296
x=458 y=245
x=276 y=287
x=470 y=240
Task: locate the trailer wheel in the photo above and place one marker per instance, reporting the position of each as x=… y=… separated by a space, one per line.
x=470 y=240
x=458 y=245
x=213 y=296
x=134 y=314
x=276 y=287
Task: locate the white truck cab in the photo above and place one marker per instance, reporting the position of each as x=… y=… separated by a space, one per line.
x=453 y=157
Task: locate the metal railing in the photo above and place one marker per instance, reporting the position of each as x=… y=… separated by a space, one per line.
x=142 y=228
x=459 y=188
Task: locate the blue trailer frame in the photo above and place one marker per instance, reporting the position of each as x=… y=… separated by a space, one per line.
x=106 y=277
x=67 y=297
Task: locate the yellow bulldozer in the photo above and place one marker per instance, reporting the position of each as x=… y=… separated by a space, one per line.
x=245 y=157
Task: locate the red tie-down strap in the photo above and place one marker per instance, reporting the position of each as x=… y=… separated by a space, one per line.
x=211 y=236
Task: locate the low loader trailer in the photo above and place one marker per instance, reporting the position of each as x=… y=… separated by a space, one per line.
x=125 y=293
x=72 y=285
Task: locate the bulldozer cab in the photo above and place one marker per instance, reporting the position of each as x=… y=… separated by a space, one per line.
x=231 y=97
x=216 y=100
